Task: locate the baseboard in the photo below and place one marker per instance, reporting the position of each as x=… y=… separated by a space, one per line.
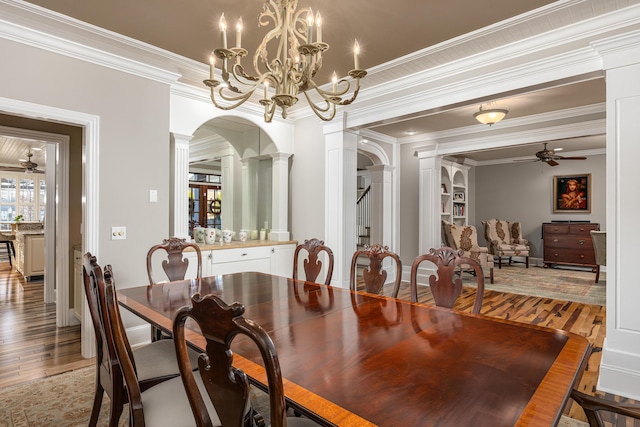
x=139 y=335
x=74 y=318
x=612 y=379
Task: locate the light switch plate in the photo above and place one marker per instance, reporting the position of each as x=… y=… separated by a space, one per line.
x=153 y=196
x=118 y=233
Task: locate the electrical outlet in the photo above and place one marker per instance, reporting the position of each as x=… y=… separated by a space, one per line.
x=118 y=233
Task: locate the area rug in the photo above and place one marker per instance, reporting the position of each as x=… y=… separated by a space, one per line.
x=65 y=400
x=557 y=283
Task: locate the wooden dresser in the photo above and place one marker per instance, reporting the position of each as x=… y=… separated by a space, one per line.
x=569 y=243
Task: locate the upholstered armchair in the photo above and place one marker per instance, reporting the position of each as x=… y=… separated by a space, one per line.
x=465 y=238
x=505 y=240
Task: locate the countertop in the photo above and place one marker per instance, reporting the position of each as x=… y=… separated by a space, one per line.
x=248 y=244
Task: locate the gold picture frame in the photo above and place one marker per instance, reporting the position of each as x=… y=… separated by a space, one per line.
x=572 y=193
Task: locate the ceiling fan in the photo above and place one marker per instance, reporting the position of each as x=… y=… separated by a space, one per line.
x=27 y=167
x=550 y=157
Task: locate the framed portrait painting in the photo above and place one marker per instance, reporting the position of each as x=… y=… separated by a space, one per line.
x=572 y=193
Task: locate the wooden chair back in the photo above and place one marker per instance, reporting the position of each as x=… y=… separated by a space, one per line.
x=312 y=265
x=447 y=286
x=593 y=406
x=374 y=276
x=109 y=377
x=176 y=265
x=227 y=386
x=117 y=335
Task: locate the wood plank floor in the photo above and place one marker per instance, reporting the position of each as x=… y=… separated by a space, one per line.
x=32 y=347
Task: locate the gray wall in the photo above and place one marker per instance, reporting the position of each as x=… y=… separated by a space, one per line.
x=306 y=181
x=524 y=192
x=134 y=143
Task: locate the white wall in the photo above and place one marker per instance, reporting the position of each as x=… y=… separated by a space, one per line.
x=524 y=192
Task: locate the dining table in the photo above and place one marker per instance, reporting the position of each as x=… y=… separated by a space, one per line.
x=349 y=358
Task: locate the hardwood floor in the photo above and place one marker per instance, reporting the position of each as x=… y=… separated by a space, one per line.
x=31 y=346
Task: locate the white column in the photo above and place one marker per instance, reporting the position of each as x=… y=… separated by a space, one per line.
x=179 y=186
x=340 y=198
x=429 y=203
x=620 y=367
x=381 y=204
x=280 y=198
x=227 y=205
x=249 y=194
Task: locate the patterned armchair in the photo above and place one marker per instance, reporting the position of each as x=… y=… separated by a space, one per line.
x=465 y=237
x=505 y=240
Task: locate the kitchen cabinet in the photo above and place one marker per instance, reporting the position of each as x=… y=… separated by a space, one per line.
x=30 y=258
x=78 y=285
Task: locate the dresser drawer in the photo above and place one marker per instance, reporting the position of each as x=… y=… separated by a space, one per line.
x=569 y=241
x=583 y=229
x=240 y=254
x=569 y=256
x=549 y=229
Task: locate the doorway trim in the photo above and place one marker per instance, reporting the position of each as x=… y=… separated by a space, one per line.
x=56 y=229
x=90 y=219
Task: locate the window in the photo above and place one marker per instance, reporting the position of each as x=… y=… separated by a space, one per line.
x=21 y=194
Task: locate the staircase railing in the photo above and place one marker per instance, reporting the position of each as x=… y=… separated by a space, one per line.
x=363 y=217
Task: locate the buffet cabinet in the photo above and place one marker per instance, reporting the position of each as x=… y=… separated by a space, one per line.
x=569 y=243
x=263 y=256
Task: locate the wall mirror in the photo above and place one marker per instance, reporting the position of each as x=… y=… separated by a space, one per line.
x=240 y=153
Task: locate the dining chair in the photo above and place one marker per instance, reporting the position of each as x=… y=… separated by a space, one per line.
x=153 y=363
x=373 y=275
x=227 y=386
x=174 y=266
x=446 y=283
x=593 y=406
x=599 y=241
x=312 y=265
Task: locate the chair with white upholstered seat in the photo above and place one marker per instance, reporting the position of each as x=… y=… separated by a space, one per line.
x=154 y=363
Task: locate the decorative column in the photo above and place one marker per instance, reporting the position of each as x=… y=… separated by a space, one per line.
x=340 y=198
x=179 y=186
x=280 y=198
x=429 y=203
x=249 y=194
x=228 y=180
x=381 y=208
x=620 y=366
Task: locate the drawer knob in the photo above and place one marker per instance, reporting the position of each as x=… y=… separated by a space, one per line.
x=581 y=256
x=555 y=240
x=244 y=254
x=582 y=242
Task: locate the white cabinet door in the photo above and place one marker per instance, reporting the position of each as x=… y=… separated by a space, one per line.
x=78 y=285
x=282 y=260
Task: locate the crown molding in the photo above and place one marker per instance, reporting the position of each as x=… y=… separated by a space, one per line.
x=529 y=136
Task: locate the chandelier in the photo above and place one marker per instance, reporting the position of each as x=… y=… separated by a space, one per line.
x=298 y=37
x=488 y=114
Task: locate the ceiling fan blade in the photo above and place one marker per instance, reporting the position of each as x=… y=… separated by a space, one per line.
x=571 y=158
x=11 y=169
x=552 y=163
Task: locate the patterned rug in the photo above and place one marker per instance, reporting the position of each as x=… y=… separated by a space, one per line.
x=65 y=400
x=557 y=283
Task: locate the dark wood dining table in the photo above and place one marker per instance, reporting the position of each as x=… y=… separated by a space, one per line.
x=354 y=359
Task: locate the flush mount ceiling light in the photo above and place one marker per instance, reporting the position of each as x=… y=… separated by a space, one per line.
x=489 y=114
x=298 y=45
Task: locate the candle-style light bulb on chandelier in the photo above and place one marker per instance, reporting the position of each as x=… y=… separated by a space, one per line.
x=298 y=35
